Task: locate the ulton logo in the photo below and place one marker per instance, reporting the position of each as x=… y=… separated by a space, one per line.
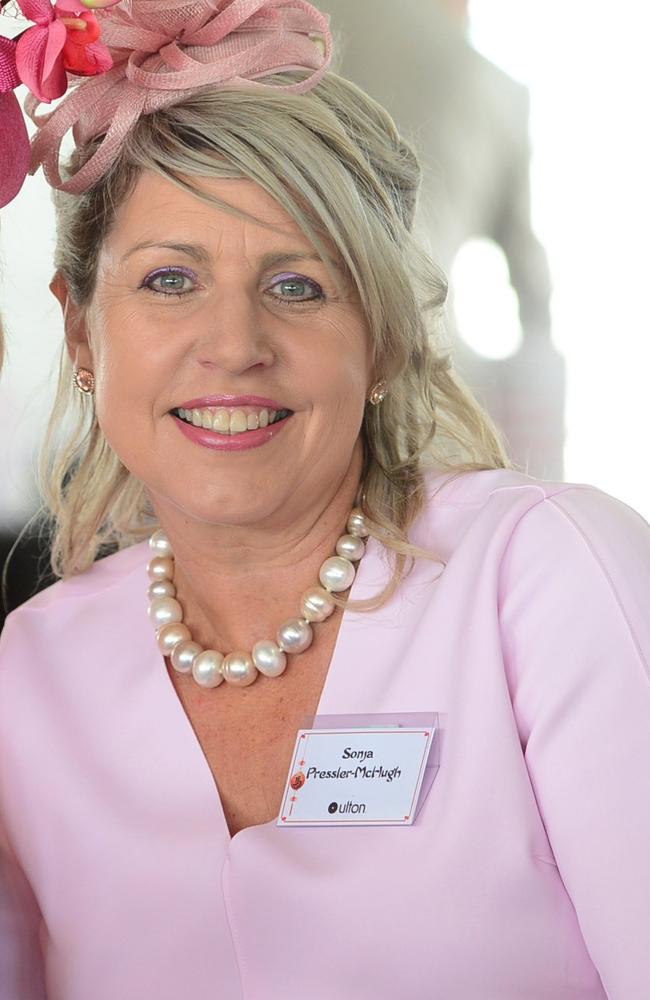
x=346 y=807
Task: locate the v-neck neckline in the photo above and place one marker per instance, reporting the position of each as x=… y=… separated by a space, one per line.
x=187 y=737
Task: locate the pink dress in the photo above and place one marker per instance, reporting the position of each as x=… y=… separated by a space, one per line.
x=526 y=875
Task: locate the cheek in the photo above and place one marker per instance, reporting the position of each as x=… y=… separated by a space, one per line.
x=127 y=386
x=340 y=365
x=120 y=413
x=131 y=353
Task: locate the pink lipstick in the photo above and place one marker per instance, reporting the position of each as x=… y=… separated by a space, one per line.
x=230 y=442
x=221 y=440
x=228 y=402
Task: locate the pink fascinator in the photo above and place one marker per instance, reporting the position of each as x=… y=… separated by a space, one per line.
x=161 y=51
x=62 y=40
x=14 y=144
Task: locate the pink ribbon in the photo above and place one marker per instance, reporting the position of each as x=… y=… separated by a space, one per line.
x=164 y=50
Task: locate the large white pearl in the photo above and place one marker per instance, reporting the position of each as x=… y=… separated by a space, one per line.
x=316 y=604
x=161 y=568
x=269 y=658
x=161 y=588
x=184 y=655
x=336 y=574
x=170 y=636
x=206 y=668
x=239 y=669
x=295 y=635
x=164 y=610
x=357 y=523
x=160 y=544
x=351 y=547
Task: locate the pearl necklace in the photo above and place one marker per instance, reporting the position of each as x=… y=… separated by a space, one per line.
x=210 y=668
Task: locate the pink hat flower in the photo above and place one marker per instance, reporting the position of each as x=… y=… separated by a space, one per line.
x=64 y=40
x=83 y=54
x=14 y=148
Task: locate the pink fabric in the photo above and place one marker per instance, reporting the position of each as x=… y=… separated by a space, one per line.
x=526 y=872
x=14 y=148
x=14 y=143
x=39 y=56
x=83 y=53
x=46 y=51
x=9 y=78
x=164 y=50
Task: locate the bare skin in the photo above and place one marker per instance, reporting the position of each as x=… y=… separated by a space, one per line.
x=248 y=736
x=249 y=529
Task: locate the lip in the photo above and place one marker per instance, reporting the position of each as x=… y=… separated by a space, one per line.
x=205 y=401
x=229 y=442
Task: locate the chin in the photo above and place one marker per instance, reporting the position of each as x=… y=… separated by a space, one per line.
x=245 y=500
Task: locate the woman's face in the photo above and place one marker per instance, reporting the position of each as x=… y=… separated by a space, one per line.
x=200 y=318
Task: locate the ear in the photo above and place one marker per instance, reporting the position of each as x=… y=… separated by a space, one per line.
x=76 y=330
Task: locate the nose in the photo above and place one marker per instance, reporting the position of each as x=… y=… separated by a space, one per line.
x=234 y=337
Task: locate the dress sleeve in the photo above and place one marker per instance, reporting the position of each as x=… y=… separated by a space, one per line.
x=574 y=607
x=22 y=974
x=21 y=962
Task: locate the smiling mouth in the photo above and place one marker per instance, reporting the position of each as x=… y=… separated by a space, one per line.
x=230 y=422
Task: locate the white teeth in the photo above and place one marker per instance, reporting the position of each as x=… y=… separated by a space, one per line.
x=224 y=422
x=221 y=422
x=238 y=422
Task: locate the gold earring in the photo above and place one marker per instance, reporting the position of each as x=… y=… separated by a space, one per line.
x=84 y=381
x=378 y=393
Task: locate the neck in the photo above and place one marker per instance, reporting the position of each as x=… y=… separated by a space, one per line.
x=238 y=583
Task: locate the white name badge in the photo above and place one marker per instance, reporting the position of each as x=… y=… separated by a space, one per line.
x=359 y=775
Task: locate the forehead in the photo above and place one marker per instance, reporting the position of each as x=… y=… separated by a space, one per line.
x=159 y=210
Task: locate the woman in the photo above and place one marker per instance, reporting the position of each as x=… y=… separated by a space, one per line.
x=247 y=317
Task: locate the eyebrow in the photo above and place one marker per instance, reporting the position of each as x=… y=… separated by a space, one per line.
x=201 y=255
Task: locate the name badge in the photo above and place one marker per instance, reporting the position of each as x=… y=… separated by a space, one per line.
x=359 y=775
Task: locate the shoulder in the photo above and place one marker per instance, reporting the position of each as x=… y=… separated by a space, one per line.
x=562 y=571
x=512 y=514
x=507 y=488
x=66 y=601
x=484 y=500
x=566 y=567
x=576 y=570
x=475 y=488
x=583 y=518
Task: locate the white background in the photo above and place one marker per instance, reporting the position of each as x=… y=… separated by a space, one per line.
x=586 y=64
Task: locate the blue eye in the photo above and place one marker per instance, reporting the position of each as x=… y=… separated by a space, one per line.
x=172 y=281
x=295 y=289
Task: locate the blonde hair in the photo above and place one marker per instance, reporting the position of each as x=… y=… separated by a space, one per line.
x=336 y=163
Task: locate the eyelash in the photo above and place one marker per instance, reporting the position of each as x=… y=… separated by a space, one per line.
x=300 y=279
x=162 y=272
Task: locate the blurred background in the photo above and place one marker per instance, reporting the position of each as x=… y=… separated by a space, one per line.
x=528 y=117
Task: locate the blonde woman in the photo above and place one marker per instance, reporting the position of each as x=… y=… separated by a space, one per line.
x=335 y=535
